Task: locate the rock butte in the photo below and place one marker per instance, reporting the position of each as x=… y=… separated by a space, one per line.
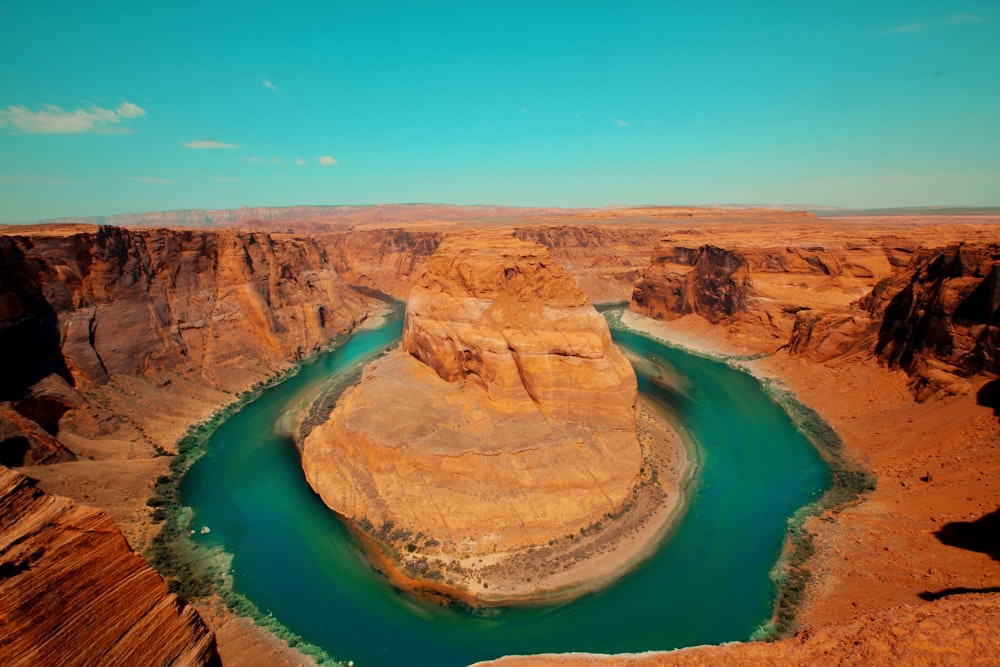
x=506 y=421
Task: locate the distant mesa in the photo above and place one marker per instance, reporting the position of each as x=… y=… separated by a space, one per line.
x=503 y=427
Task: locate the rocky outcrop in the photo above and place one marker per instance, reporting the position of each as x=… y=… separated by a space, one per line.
x=504 y=424
x=936 y=318
x=23 y=442
x=707 y=281
x=932 y=312
x=942 y=314
x=506 y=313
x=769 y=296
x=72 y=591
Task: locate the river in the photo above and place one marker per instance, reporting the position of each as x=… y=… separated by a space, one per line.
x=709 y=582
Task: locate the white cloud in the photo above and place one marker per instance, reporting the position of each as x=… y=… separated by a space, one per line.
x=150 y=180
x=327 y=161
x=129 y=110
x=51 y=119
x=208 y=145
x=299 y=161
x=620 y=123
x=256 y=159
x=965 y=18
x=910 y=27
x=270 y=86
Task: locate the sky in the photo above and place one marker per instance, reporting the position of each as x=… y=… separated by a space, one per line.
x=115 y=107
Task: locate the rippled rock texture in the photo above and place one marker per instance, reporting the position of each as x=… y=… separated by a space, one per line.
x=506 y=421
x=72 y=591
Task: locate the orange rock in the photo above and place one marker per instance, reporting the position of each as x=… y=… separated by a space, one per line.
x=72 y=591
x=506 y=421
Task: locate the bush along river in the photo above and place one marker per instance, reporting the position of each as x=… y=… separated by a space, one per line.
x=272 y=542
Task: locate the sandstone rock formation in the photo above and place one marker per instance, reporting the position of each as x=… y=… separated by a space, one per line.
x=506 y=313
x=505 y=422
x=941 y=316
x=936 y=318
x=930 y=311
x=758 y=289
x=83 y=306
x=708 y=281
x=72 y=591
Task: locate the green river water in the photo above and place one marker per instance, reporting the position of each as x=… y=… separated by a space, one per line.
x=709 y=582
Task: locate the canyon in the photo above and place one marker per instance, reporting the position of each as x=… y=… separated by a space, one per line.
x=886 y=326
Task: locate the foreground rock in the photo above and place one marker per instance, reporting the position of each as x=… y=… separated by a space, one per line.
x=504 y=425
x=964 y=630
x=72 y=591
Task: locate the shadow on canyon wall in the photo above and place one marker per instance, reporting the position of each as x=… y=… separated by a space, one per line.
x=29 y=330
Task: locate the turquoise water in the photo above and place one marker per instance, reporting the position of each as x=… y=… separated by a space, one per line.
x=709 y=583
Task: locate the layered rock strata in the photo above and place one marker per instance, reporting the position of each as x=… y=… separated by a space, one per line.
x=87 y=307
x=937 y=318
x=505 y=422
x=758 y=291
x=72 y=591
x=931 y=311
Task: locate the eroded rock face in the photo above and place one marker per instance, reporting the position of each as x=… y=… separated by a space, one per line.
x=506 y=421
x=72 y=591
x=225 y=309
x=946 y=307
x=708 y=281
x=510 y=316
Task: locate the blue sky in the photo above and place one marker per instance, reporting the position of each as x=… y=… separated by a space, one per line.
x=112 y=107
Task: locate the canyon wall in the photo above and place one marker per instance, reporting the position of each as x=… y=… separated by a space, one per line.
x=73 y=592
x=223 y=309
x=930 y=311
x=935 y=318
x=605 y=260
x=758 y=291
